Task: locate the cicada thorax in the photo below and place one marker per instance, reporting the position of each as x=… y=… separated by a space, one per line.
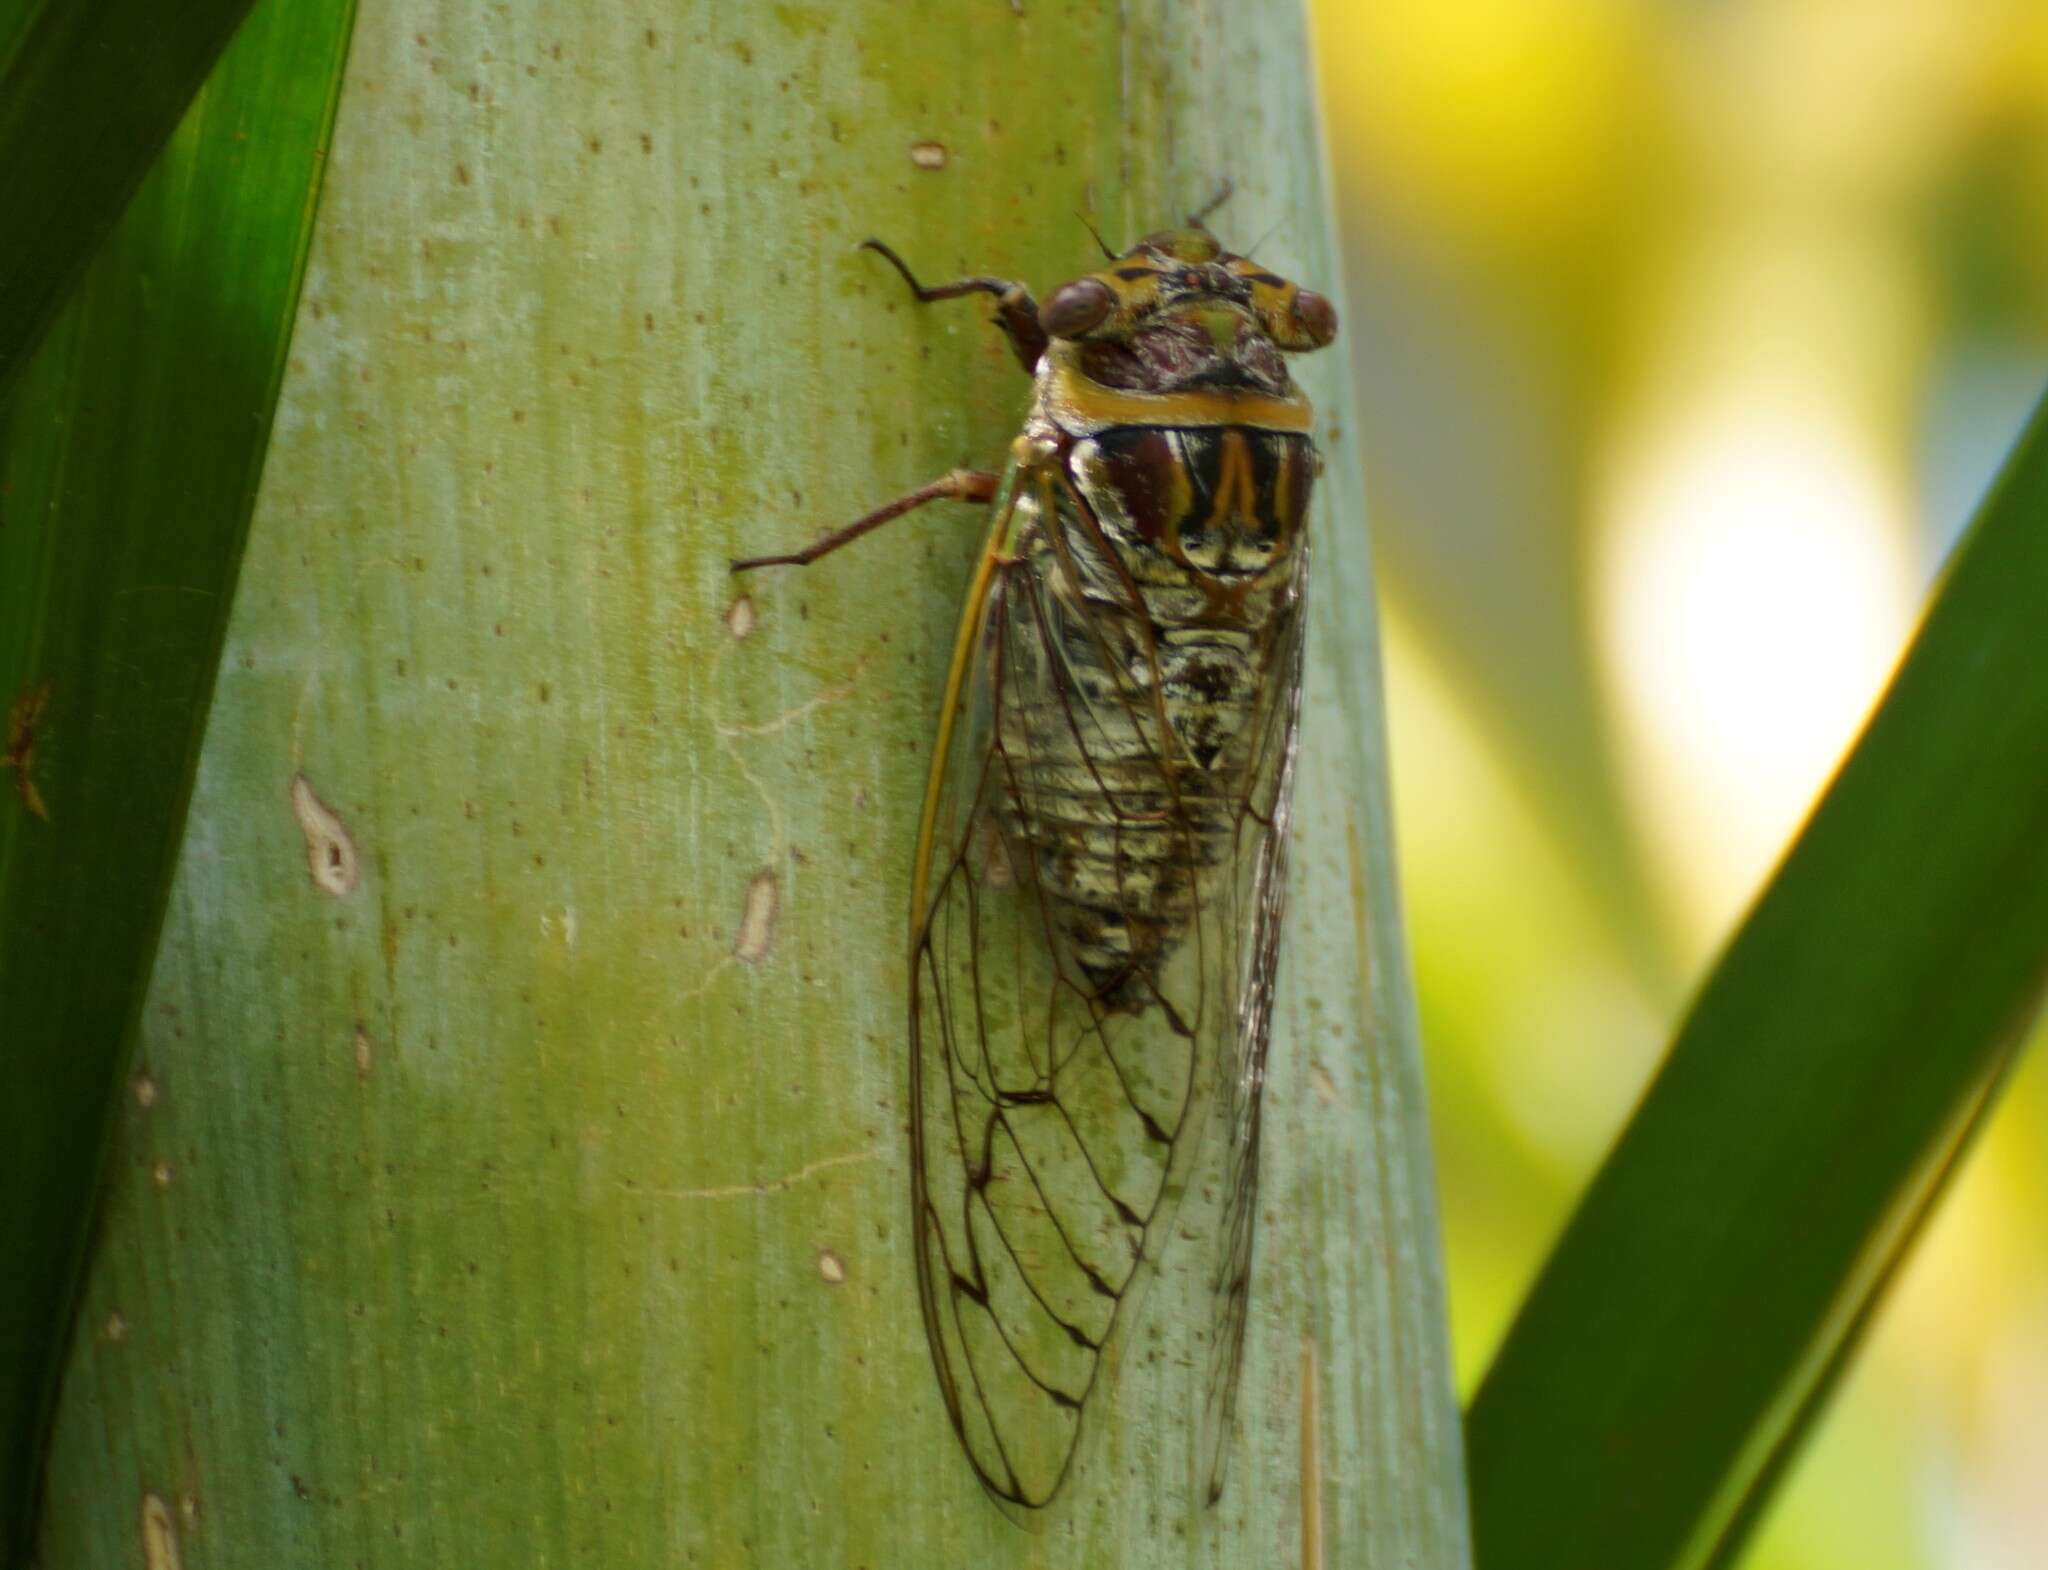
x=1167 y=561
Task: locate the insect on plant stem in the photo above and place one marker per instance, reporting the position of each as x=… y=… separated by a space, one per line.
x=1100 y=869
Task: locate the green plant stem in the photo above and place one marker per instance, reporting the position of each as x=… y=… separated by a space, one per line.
x=515 y=1210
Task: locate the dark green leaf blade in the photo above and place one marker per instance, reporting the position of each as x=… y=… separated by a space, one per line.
x=1732 y=1246
x=128 y=468
x=89 y=94
x=1758 y=1486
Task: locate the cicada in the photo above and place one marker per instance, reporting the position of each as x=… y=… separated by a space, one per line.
x=1100 y=868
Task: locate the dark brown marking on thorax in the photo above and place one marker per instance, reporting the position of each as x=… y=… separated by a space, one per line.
x=1225 y=504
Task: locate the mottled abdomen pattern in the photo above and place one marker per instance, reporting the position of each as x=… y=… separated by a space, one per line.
x=1160 y=587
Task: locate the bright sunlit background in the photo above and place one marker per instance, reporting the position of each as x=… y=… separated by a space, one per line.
x=1689 y=332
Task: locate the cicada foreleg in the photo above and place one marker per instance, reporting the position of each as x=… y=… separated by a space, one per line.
x=961 y=485
x=1016 y=311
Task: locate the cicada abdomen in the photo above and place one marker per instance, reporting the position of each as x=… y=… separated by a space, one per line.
x=1100 y=869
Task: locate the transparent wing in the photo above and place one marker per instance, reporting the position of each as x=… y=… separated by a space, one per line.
x=1259 y=896
x=1071 y=1026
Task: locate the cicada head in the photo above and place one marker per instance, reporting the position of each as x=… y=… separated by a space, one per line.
x=1178 y=311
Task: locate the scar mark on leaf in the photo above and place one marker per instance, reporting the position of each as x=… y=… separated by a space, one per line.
x=757 y=921
x=159 y=1537
x=838 y=692
x=739 y=618
x=778 y=839
x=330 y=853
x=765 y=1186
x=1311 y=1459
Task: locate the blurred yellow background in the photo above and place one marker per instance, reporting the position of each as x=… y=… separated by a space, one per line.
x=1689 y=332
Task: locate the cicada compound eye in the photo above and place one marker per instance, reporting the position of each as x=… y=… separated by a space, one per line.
x=1073 y=308
x=1315 y=316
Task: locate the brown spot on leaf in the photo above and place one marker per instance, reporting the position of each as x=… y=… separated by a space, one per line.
x=24 y=725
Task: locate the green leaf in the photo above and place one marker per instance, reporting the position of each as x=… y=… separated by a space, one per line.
x=89 y=94
x=514 y=1211
x=129 y=459
x=1718 y=1272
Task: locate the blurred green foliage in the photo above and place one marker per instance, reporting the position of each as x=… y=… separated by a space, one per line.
x=1828 y=1081
x=1588 y=242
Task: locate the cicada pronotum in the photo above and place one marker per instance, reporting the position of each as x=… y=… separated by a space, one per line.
x=1101 y=864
